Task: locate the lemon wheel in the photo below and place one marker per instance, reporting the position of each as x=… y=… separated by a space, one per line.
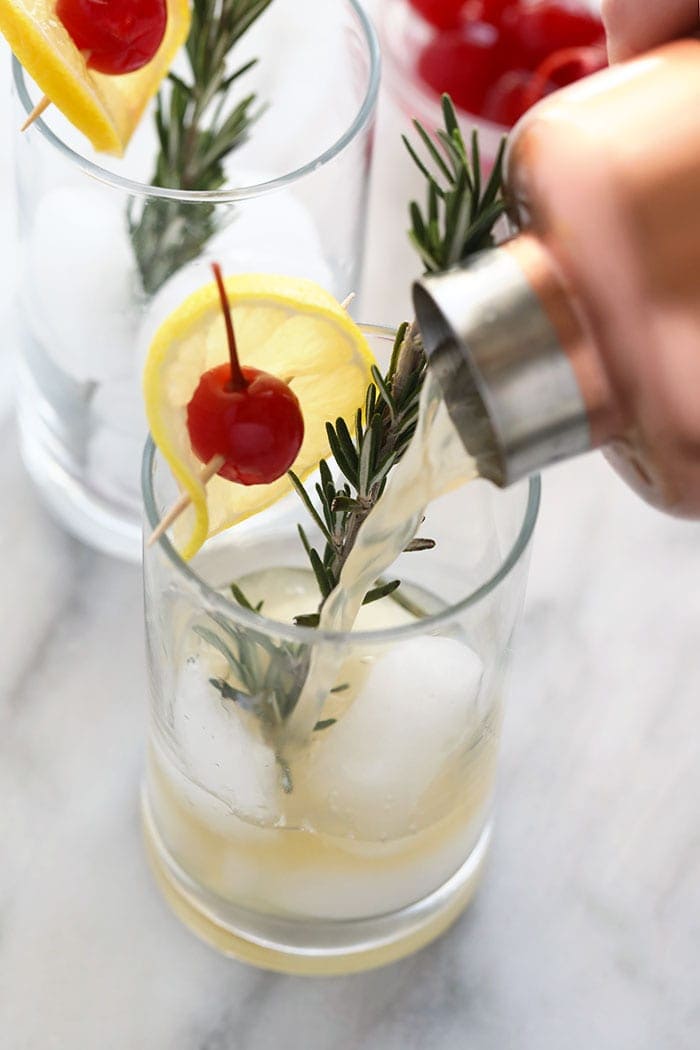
x=289 y=327
x=105 y=108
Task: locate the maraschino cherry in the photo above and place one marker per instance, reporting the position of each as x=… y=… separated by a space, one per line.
x=249 y=417
x=497 y=57
x=117 y=36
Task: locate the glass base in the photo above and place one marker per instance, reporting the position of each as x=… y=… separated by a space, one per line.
x=300 y=947
x=109 y=525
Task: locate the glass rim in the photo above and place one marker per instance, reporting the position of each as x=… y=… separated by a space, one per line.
x=313 y=635
x=228 y=195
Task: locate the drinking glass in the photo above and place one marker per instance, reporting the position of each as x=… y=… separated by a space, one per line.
x=363 y=839
x=294 y=202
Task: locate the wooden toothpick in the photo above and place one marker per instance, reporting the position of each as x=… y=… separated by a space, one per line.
x=40 y=108
x=45 y=102
x=180 y=506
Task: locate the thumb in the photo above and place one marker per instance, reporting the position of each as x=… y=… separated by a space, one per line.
x=633 y=26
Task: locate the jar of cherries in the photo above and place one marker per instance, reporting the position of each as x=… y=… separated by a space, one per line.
x=496 y=58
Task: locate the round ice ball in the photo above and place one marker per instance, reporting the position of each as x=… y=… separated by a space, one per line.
x=416 y=710
x=80 y=284
x=219 y=749
x=274 y=233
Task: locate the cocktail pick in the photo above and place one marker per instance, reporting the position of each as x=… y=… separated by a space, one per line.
x=180 y=506
x=40 y=108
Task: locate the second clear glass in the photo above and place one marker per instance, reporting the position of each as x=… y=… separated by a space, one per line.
x=294 y=203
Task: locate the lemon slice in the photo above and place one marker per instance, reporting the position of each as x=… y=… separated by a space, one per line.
x=287 y=326
x=105 y=108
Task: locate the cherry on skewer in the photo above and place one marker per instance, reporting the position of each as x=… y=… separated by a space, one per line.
x=244 y=424
x=114 y=36
x=119 y=36
x=249 y=417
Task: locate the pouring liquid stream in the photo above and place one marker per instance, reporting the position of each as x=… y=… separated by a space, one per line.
x=434 y=463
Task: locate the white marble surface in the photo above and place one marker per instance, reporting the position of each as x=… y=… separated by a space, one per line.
x=586 y=932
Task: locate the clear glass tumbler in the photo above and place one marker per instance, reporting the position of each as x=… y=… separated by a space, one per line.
x=105 y=256
x=365 y=841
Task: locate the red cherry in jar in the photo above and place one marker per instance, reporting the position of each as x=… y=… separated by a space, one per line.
x=486 y=10
x=516 y=91
x=463 y=64
x=442 y=14
x=251 y=418
x=498 y=57
x=451 y=14
x=533 y=31
x=506 y=101
x=117 y=36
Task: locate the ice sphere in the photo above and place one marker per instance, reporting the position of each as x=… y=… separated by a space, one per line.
x=273 y=233
x=118 y=404
x=80 y=286
x=220 y=750
x=417 y=708
x=114 y=464
x=306 y=84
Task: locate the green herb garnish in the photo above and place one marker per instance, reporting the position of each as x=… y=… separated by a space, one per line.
x=198 y=126
x=458 y=221
x=267 y=678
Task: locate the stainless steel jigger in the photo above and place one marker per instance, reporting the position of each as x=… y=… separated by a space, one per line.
x=507 y=380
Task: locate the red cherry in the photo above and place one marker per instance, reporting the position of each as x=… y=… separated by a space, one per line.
x=561 y=68
x=516 y=91
x=570 y=64
x=258 y=429
x=462 y=63
x=508 y=99
x=118 y=36
x=533 y=32
x=443 y=14
x=250 y=417
x=486 y=10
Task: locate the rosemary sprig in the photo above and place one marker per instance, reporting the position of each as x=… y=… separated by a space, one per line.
x=382 y=432
x=458 y=220
x=264 y=678
x=197 y=129
x=267 y=678
x=459 y=217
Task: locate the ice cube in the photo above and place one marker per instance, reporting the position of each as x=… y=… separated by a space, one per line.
x=221 y=751
x=417 y=709
x=118 y=404
x=78 y=293
x=114 y=464
x=307 y=85
x=117 y=438
x=274 y=233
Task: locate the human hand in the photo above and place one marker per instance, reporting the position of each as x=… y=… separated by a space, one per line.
x=636 y=25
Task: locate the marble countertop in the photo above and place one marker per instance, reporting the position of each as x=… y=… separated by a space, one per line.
x=586 y=932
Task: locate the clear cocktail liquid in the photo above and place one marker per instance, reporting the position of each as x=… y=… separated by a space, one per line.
x=383 y=806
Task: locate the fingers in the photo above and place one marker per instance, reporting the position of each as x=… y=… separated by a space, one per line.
x=636 y=25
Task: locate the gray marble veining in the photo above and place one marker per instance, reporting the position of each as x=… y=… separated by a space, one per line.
x=586 y=932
